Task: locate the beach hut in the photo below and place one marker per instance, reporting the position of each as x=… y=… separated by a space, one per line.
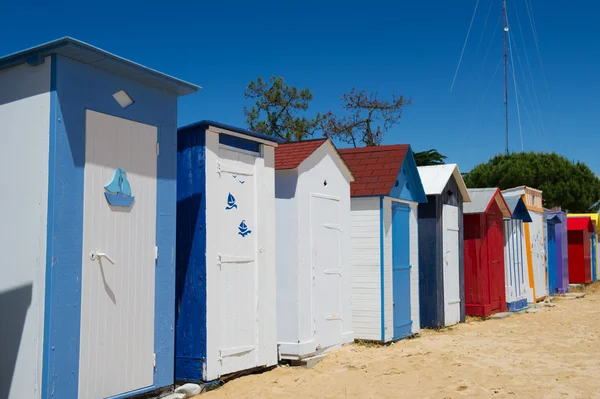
x=515 y=261
x=558 y=262
x=312 y=198
x=88 y=223
x=225 y=260
x=579 y=232
x=441 y=251
x=535 y=241
x=485 y=291
x=384 y=241
x=594 y=247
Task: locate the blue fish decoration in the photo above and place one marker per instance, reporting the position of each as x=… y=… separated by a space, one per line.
x=242 y=181
x=230 y=202
x=234 y=176
x=118 y=191
x=244 y=231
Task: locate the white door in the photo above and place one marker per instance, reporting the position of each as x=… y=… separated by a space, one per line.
x=119 y=250
x=515 y=270
x=238 y=282
x=326 y=270
x=538 y=253
x=451 y=265
x=509 y=260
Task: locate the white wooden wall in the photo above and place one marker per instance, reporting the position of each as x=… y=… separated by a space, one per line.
x=538 y=253
x=323 y=164
x=117 y=300
x=365 y=260
x=414 y=271
x=287 y=258
x=265 y=261
x=24 y=128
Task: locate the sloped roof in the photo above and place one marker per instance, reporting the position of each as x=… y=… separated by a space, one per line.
x=552 y=218
x=205 y=124
x=518 y=208
x=481 y=200
x=436 y=177
x=291 y=155
x=594 y=216
x=520 y=190
x=375 y=169
x=580 y=224
x=88 y=54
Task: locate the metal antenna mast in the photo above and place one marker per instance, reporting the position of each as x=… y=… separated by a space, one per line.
x=505 y=74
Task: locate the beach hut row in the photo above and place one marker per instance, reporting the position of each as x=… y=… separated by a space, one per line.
x=138 y=255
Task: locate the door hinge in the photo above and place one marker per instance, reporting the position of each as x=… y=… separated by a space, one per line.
x=157 y=149
x=154 y=360
x=156 y=253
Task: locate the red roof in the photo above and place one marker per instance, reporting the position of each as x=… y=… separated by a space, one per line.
x=291 y=155
x=580 y=223
x=375 y=169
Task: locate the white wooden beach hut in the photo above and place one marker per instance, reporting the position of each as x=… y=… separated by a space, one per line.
x=535 y=241
x=312 y=191
x=87 y=223
x=225 y=293
x=384 y=241
x=516 y=273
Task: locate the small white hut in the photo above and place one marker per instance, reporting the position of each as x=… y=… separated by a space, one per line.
x=225 y=260
x=312 y=190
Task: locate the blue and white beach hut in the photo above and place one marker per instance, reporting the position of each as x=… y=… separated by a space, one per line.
x=88 y=223
x=225 y=294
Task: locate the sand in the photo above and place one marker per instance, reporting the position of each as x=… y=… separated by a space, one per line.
x=553 y=353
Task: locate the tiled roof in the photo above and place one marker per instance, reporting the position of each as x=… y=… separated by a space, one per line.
x=291 y=155
x=375 y=169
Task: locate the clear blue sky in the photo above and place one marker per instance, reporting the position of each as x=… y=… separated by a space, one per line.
x=407 y=47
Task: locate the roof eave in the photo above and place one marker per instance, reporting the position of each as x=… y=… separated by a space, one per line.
x=265 y=139
x=35 y=55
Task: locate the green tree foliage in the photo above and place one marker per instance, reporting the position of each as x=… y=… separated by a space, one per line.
x=276 y=108
x=572 y=186
x=429 y=157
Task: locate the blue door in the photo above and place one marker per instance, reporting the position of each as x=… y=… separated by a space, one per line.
x=401 y=270
x=552 y=259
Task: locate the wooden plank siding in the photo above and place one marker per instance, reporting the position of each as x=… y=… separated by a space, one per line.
x=431 y=255
x=366 y=261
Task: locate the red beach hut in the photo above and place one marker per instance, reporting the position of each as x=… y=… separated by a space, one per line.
x=485 y=291
x=579 y=230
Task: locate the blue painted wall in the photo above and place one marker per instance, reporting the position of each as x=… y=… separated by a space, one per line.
x=552 y=257
x=75 y=88
x=190 y=315
x=408 y=183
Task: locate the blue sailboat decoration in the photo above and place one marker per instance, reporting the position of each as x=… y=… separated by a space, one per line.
x=244 y=231
x=230 y=202
x=118 y=191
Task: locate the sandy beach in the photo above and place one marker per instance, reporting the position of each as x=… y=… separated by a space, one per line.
x=553 y=353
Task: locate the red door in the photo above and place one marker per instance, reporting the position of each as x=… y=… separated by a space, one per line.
x=495 y=246
x=587 y=260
